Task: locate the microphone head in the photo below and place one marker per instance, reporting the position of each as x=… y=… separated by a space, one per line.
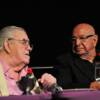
x=55 y=89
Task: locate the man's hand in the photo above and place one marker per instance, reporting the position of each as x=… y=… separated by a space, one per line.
x=47 y=80
x=95 y=85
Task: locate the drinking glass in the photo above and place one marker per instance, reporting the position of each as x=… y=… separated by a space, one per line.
x=97 y=71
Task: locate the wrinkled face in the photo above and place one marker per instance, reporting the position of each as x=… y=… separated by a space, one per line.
x=19 y=47
x=83 y=40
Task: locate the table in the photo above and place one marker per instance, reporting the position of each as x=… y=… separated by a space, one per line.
x=28 y=97
x=72 y=94
x=79 y=94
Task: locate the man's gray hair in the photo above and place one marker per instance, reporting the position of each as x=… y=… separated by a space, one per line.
x=7 y=32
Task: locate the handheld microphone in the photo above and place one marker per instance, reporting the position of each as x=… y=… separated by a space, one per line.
x=55 y=89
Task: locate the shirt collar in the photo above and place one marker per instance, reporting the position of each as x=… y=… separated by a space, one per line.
x=8 y=72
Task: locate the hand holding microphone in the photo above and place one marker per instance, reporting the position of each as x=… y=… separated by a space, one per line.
x=49 y=83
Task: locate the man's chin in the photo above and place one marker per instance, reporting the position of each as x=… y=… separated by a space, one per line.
x=26 y=61
x=81 y=53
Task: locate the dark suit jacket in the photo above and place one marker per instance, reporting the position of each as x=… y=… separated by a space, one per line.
x=74 y=72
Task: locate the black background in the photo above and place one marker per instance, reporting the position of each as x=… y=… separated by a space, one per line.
x=49 y=24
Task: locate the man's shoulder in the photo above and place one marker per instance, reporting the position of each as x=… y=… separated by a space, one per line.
x=66 y=55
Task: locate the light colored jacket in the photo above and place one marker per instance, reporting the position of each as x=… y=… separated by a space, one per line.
x=3 y=84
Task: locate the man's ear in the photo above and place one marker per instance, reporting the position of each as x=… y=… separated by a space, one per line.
x=6 y=46
x=95 y=39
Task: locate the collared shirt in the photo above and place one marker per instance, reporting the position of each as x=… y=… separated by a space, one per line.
x=10 y=77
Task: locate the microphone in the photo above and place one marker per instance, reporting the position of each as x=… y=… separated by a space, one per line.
x=55 y=89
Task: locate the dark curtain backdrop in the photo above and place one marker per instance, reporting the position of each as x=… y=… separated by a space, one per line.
x=49 y=24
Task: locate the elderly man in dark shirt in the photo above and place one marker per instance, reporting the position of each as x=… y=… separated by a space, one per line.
x=77 y=69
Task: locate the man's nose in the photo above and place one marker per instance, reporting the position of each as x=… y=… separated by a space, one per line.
x=77 y=41
x=30 y=47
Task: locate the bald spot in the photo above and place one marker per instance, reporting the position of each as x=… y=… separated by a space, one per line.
x=84 y=28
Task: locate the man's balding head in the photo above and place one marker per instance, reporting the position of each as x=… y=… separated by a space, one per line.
x=84 y=40
x=84 y=28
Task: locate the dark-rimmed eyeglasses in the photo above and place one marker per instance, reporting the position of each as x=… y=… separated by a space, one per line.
x=24 y=42
x=81 y=38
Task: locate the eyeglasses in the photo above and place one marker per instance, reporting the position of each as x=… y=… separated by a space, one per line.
x=82 y=38
x=24 y=42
